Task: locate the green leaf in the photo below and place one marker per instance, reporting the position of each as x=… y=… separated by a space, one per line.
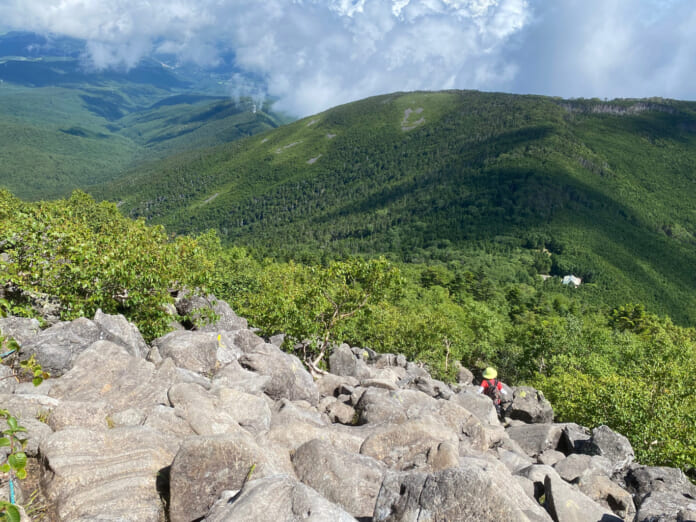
x=17 y=460
x=12 y=514
x=4 y=441
x=37 y=380
x=5 y=468
x=21 y=474
x=12 y=423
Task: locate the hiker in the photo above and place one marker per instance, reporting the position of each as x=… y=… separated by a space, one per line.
x=493 y=388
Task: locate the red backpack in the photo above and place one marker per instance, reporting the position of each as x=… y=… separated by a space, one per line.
x=492 y=390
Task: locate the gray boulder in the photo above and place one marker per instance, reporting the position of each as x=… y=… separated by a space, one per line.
x=21 y=329
x=478 y=404
x=566 y=504
x=85 y=414
x=578 y=465
x=275 y=498
x=118 y=330
x=642 y=480
x=406 y=446
x=380 y=406
x=330 y=385
x=529 y=405
x=199 y=310
x=205 y=412
x=666 y=506
x=107 y=372
x=432 y=387
x=344 y=362
x=349 y=480
x=204 y=467
x=535 y=439
x=92 y=473
x=195 y=351
x=574 y=438
x=234 y=376
x=288 y=377
x=58 y=346
x=609 y=495
x=612 y=445
x=469 y=493
x=661 y=494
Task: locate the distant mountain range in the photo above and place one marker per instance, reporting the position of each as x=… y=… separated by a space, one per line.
x=606 y=189
x=64 y=125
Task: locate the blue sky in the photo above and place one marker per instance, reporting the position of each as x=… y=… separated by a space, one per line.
x=316 y=54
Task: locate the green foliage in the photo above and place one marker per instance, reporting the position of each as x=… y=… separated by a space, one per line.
x=15 y=466
x=78 y=135
x=88 y=256
x=571 y=186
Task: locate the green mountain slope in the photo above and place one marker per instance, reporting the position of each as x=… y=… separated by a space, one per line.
x=604 y=187
x=56 y=139
x=65 y=126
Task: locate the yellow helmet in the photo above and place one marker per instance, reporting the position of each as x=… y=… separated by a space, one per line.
x=490 y=373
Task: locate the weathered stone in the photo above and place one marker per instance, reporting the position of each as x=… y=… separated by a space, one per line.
x=567 y=504
x=343 y=361
x=513 y=460
x=536 y=438
x=7 y=382
x=164 y=419
x=608 y=494
x=342 y=413
x=385 y=384
x=236 y=377
x=612 y=445
x=444 y=456
x=28 y=406
x=407 y=445
x=199 y=310
x=84 y=414
x=58 y=346
x=550 y=457
x=107 y=372
x=352 y=481
x=21 y=329
x=464 y=375
x=529 y=405
x=642 y=480
x=432 y=387
x=202 y=410
x=195 y=351
x=666 y=506
x=289 y=379
x=577 y=465
x=467 y=493
x=329 y=385
x=478 y=404
x=118 y=330
x=249 y=411
x=379 y=406
x=92 y=473
x=574 y=438
x=275 y=498
x=206 y=466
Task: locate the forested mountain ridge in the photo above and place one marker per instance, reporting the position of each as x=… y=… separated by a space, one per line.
x=604 y=187
x=65 y=124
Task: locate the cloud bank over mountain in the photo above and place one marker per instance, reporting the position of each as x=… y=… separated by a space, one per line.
x=315 y=54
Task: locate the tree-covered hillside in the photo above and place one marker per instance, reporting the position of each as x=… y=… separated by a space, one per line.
x=66 y=125
x=623 y=367
x=598 y=189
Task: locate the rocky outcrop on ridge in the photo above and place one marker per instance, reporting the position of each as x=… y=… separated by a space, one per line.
x=219 y=424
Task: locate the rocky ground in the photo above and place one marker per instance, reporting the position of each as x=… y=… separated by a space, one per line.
x=220 y=424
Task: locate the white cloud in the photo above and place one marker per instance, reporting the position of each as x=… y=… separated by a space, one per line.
x=313 y=53
x=317 y=53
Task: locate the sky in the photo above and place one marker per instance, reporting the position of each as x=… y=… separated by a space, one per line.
x=315 y=54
